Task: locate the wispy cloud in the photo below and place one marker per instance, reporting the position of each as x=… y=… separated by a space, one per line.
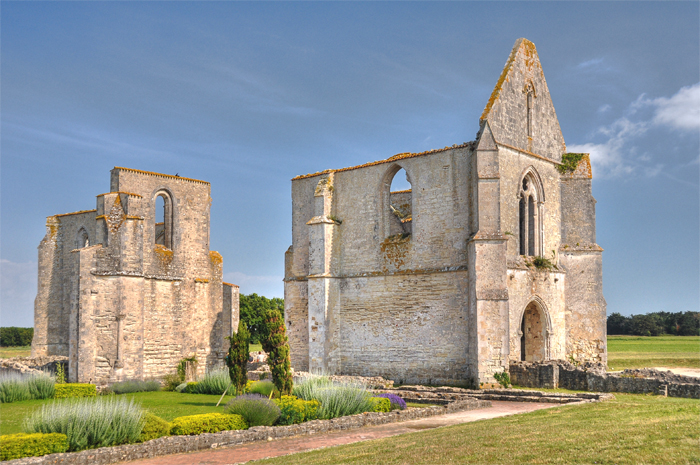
x=619 y=152
x=590 y=63
x=269 y=286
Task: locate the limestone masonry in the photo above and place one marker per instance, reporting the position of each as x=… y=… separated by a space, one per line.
x=490 y=257
x=128 y=290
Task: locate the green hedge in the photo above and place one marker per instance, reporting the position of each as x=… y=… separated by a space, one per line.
x=16 y=337
x=191 y=388
x=75 y=390
x=15 y=446
x=207 y=423
x=381 y=404
x=155 y=427
x=293 y=410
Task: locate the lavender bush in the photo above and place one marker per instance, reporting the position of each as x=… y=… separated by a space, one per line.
x=396 y=401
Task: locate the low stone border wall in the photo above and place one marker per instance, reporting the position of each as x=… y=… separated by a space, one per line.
x=445 y=394
x=562 y=374
x=169 y=445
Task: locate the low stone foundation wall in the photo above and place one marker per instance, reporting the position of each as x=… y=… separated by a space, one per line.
x=561 y=374
x=446 y=394
x=33 y=364
x=181 y=444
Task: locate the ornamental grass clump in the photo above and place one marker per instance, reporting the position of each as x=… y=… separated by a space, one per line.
x=90 y=422
x=397 y=403
x=134 y=385
x=214 y=382
x=15 y=387
x=257 y=410
x=264 y=388
x=337 y=399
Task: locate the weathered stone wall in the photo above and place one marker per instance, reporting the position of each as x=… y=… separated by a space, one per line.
x=560 y=374
x=127 y=307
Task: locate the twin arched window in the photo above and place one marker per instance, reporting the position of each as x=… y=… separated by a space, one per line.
x=531 y=213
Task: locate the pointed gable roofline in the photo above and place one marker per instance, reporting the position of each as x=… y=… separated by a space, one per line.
x=504 y=74
x=520 y=111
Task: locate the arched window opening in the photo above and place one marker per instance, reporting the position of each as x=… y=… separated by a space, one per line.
x=163 y=220
x=400 y=204
x=530 y=215
x=83 y=239
x=533 y=341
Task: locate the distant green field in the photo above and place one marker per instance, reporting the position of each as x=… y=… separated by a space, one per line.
x=655 y=351
x=9 y=352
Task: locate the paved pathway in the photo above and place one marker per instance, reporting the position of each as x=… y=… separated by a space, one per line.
x=285 y=446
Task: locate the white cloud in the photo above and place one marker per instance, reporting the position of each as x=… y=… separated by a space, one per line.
x=590 y=63
x=617 y=154
x=18 y=285
x=268 y=286
x=682 y=111
x=604 y=108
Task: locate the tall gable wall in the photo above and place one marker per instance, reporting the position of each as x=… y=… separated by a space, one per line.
x=506 y=110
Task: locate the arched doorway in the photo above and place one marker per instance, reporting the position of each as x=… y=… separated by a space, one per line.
x=533 y=339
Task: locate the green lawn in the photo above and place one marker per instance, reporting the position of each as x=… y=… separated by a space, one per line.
x=167 y=405
x=9 y=352
x=655 y=351
x=628 y=430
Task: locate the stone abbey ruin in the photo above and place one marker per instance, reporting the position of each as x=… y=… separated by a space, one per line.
x=127 y=296
x=489 y=258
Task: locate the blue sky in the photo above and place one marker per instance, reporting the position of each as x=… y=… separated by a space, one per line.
x=248 y=95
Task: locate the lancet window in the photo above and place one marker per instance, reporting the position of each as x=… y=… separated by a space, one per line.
x=531 y=208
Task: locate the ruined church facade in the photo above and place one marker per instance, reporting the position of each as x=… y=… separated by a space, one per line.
x=127 y=290
x=490 y=256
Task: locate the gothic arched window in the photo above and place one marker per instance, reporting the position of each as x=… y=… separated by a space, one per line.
x=531 y=206
x=82 y=239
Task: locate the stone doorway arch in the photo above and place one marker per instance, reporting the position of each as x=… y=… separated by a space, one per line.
x=534 y=333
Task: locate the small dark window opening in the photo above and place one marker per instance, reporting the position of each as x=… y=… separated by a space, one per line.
x=531 y=226
x=523 y=225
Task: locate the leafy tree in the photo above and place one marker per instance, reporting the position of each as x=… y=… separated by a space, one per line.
x=237 y=358
x=654 y=324
x=617 y=324
x=252 y=311
x=12 y=336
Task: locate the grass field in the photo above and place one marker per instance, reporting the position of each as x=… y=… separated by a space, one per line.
x=630 y=429
x=167 y=405
x=9 y=352
x=656 y=351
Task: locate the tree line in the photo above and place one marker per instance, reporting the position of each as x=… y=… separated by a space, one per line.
x=655 y=324
x=253 y=308
x=12 y=336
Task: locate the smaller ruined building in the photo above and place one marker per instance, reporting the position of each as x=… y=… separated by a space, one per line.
x=489 y=257
x=129 y=289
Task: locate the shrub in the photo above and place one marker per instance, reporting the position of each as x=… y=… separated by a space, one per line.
x=503 y=378
x=293 y=410
x=191 y=387
x=134 y=385
x=237 y=358
x=154 y=427
x=15 y=446
x=75 y=390
x=214 y=382
x=336 y=399
x=88 y=423
x=207 y=423
x=397 y=403
x=171 y=381
x=20 y=386
x=255 y=409
x=380 y=404
x=264 y=388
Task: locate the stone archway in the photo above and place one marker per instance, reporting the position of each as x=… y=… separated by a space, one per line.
x=534 y=332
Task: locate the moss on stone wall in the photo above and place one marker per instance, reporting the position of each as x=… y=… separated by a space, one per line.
x=569 y=162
